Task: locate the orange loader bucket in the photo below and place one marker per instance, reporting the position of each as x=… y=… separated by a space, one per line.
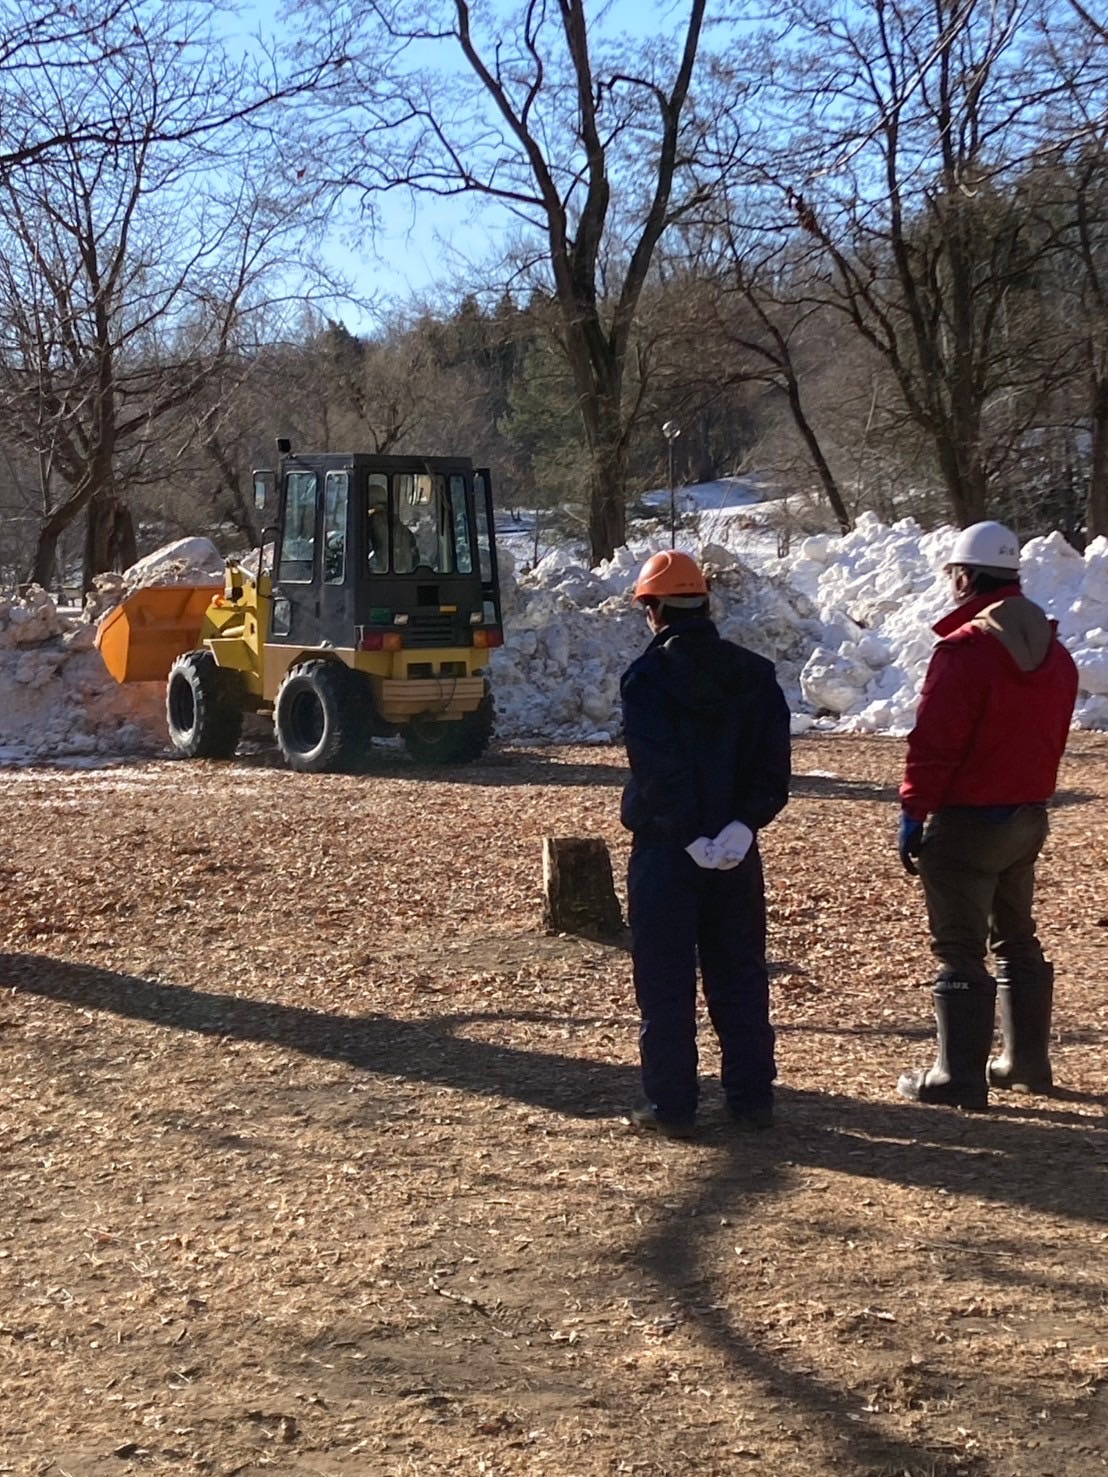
x=141 y=638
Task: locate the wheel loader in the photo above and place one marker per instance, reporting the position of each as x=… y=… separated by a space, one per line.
x=373 y=615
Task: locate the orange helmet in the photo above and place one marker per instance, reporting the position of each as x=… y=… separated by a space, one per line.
x=671 y=574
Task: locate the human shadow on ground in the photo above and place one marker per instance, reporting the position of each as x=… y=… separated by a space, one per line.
x=904 y=1143
x=1038 y=1165
x=836 y=787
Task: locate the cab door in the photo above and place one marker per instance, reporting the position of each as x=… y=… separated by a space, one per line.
x=313 y=571
x=337 y=574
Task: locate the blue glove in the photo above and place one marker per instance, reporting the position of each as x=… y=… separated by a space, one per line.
x=909 y=840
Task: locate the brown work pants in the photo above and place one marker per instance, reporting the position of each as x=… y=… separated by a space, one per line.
x=978 y=877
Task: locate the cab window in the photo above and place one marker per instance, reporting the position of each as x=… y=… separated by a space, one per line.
x=377 y=523
x=298 y=543
x=463 y=543
x=335 y=488
x=484 y=530
x=421 y=532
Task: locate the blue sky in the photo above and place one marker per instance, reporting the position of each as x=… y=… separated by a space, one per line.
x=422 y=243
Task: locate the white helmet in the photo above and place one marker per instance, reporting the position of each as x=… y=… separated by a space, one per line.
x=987 y=546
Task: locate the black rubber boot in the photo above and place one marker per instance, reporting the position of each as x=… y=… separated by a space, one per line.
x=964 y=1013
x=1026 y=1005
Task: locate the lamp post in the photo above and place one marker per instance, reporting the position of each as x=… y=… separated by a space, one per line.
x=671 y=430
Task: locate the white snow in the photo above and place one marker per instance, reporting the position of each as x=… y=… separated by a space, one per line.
x=846 y=619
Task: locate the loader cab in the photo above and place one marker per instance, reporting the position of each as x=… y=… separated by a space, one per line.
x=373 y=552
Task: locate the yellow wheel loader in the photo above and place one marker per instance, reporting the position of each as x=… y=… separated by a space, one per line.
x=375 y=616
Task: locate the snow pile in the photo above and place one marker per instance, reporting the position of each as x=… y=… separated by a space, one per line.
x=1074 y=590
x=57 y=699
x=846 y=619
x=878 y=591
x=56 y=696
x=570 y=632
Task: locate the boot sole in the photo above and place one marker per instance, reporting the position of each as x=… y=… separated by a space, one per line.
x=911 y=1086
x=1026 y=1089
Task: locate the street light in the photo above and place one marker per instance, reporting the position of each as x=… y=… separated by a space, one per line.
x=671 y=430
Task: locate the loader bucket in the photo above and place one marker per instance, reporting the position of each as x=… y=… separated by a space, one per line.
x=141 y=638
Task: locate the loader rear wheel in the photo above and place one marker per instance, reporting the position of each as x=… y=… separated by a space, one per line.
x=455 y=741
x=322 y=718
x=202 y=707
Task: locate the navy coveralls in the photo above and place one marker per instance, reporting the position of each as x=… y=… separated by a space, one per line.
x=707 y=733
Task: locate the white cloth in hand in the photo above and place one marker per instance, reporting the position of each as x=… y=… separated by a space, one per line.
x=732 y=844
x=721 y=853
x=703 y=852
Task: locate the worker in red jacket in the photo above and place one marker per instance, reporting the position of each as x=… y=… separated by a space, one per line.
x=982 y=763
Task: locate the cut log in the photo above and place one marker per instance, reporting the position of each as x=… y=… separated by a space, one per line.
x=579 y=893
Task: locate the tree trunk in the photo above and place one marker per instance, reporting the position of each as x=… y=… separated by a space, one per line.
x=608 y=477
x=598 y=380
x=607 y=510
x=109 y=537
x=703 y=458
x=1096 y=519
x=578 y=889
x=965 y=492
x=46 y=558
x=815 y=451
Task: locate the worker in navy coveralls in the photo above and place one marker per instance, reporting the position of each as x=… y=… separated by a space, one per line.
x=707 y=734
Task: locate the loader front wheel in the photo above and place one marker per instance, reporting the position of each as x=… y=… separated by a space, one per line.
x=322 y=718
x=454 y=741
x=202 y=707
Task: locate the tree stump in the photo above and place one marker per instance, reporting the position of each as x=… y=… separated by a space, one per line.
x=579 y=893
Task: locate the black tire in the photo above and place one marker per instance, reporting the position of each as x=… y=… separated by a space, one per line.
x=323 y=718
x=203 y=707
x=455 y=741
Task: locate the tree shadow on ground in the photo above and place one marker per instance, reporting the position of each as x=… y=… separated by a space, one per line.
x=499 y=768
x=899 y=1141
x=833 y=787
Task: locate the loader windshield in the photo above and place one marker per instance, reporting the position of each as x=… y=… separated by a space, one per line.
x=418 y=522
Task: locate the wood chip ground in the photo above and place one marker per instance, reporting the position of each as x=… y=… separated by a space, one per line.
x=313 y=1164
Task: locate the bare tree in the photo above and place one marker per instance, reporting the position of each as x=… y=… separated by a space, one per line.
x=587 y=145
x=914 y=123
x=1070 y=196
x=751 y=317
x=69 y=43
x=130 y=267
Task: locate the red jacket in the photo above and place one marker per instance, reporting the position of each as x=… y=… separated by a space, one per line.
x=995 y=709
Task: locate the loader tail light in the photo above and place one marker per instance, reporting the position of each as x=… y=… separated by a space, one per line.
x=489 y=637
x=381 y=641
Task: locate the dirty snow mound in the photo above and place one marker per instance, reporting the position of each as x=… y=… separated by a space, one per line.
x=57 y=699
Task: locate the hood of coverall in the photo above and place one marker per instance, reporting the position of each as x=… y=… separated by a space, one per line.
x=1022 y=628
x=702 y=673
